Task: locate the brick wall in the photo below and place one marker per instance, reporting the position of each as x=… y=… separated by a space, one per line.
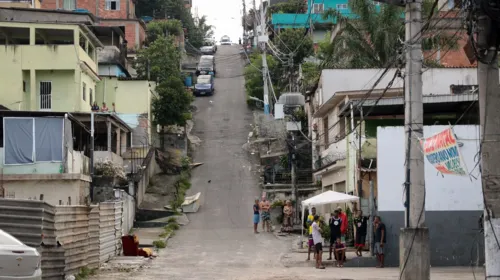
x=49 y=4
x=130 y=31
x=90 y=5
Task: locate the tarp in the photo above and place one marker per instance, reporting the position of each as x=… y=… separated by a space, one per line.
x=329 y=197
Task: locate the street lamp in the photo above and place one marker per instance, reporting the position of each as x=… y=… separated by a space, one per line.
x=255 y=99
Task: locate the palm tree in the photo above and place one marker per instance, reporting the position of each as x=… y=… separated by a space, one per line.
x=373 y=36
x=205 y=29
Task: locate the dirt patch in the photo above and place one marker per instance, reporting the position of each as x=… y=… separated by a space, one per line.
x=160 y=191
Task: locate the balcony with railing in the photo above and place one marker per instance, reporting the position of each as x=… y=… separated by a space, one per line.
x=334 y=155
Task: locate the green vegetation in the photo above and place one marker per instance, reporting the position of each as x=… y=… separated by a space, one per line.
x=375 y=37
x=289 y=7
x=85 y=273
x=172 y=103
x=290 y=40
x=197 y=31
x=172 y=220
x=159 y=244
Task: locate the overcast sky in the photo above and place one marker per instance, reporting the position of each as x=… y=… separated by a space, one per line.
x=224 y=15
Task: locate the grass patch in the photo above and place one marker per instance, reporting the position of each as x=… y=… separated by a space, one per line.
x=172 y=220
x=84 y=273
x=182 y=185
x=160 y=244
x=173 y=226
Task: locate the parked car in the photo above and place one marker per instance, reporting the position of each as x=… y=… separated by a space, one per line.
x=18 y=261
x=207 y=50
x=204 y=85
x=206 y=65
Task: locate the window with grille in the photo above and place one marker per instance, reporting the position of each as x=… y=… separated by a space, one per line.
x=326 y=132
x=112 y=5
x=84 y=92
x=341 y=6
x=45 y=95
x=318 y=8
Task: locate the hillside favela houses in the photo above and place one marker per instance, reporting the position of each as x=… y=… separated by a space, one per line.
x=361 y=144
x=68 y=67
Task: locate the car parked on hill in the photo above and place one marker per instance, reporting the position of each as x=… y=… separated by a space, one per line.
x=204 y=85
x=210 y=50
x=18 y=261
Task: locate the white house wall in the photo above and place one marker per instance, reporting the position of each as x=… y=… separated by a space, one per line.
x=443 y=193
x=453 y=203
x=436 y=80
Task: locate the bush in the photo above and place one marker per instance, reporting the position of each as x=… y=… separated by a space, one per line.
x=160 y=244
x=325 y=230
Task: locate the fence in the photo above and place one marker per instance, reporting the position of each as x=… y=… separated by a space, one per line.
x=68 y=237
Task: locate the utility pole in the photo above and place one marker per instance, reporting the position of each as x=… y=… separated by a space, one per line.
x=414 y=238
x=244 y=24
x=255 y=35
x=263 y=39
x=294 y=176
x=489 y=102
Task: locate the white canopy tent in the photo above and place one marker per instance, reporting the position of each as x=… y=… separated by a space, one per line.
x=328 y=197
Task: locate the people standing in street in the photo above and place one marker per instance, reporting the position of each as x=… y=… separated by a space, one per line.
x=318 y=242
x=380 y=240
x=361 y=224
x=256 y=215
x=265 y=214
x=340 y=252
x=287 y=217
x=335 y=224
x=310 y=220
x=344 y=226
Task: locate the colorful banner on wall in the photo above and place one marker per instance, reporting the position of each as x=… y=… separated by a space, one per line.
x=443 y=152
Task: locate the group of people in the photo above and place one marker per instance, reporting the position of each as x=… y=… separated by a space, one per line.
x=261 y=210
x=104 y=108
x=338 y=226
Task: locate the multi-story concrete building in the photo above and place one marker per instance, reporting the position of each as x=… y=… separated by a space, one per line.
x=48 y=66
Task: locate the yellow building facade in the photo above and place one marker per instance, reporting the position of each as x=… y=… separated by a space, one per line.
x=48 y=67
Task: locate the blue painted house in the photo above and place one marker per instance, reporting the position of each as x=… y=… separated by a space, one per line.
x=315 y=9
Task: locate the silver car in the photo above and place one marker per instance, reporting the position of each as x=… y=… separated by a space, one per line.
x=18 y=261
x=210 y=50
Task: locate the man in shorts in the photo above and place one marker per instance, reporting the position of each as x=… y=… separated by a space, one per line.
x=310 y=220
x=380 y=240
x=265 y=214
x=318 y=242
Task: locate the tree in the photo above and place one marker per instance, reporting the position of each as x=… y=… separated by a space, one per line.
x=175 y=10
x=173 y=103
x=254 y=84
x=296 y=41
x=163 y=28
x=162 y=57
x=373 y=37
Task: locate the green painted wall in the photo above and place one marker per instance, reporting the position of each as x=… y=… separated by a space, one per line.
x=35 y=168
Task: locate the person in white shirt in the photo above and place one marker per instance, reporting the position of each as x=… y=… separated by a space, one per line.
x=318 y=242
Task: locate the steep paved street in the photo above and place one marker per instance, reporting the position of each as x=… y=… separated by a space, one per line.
x=218 y=243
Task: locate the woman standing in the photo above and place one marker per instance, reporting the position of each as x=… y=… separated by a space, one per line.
x=256 y=215
x=287 y=217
